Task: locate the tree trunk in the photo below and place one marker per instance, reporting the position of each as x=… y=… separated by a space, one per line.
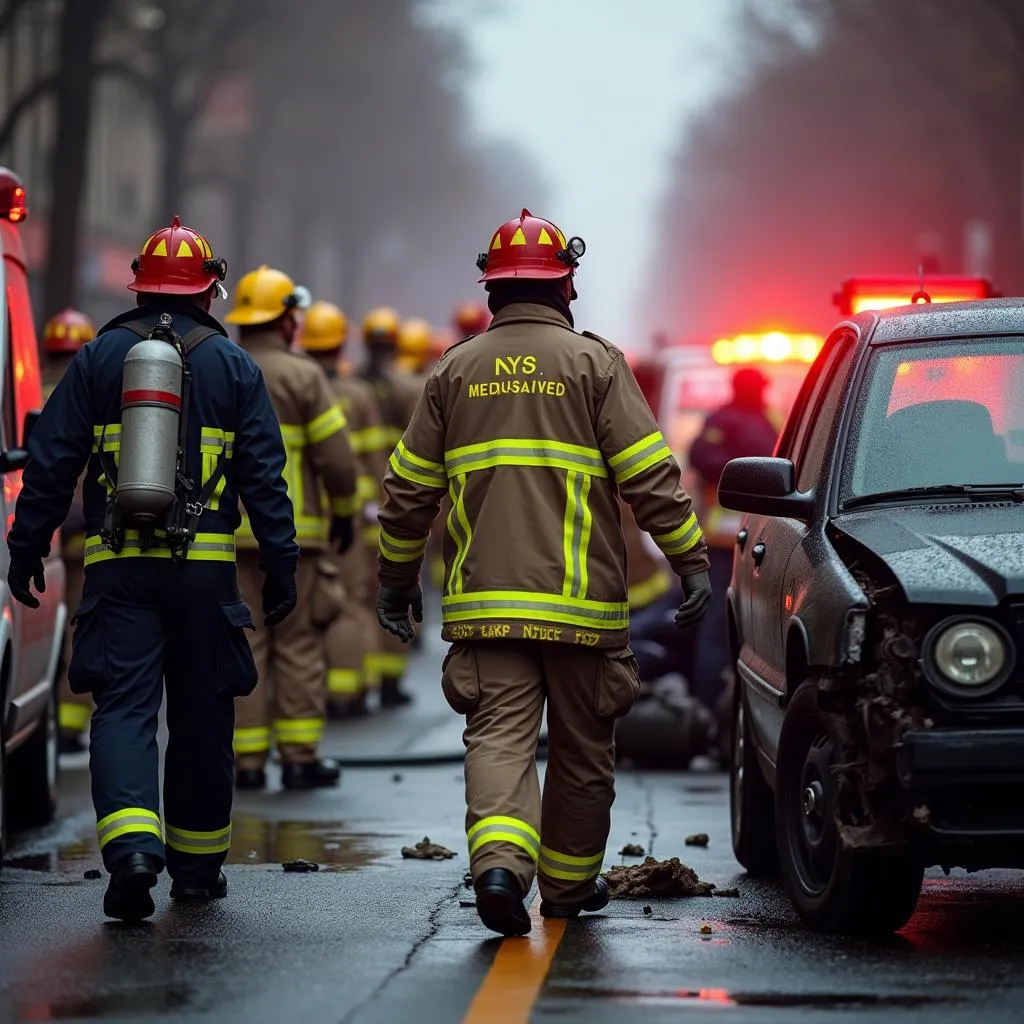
x=79 y=31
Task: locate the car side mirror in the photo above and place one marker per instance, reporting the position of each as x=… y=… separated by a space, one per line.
x=31 y=419
x=764 y=487
x=12 y=460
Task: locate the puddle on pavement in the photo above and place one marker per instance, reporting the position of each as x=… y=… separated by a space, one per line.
x=254 y=841
x=711 y=997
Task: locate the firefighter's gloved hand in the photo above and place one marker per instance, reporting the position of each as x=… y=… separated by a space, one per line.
x=279 y=595
x=342 y=533
x=697 y=591
x=393 y=606
x=23 y=572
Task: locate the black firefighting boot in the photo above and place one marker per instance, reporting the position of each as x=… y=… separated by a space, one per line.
x=598 y=901
x=250 y=778
x=128 y=897
x=194 y=892
x=392 y=695
x=313 y=775
x=499 y=902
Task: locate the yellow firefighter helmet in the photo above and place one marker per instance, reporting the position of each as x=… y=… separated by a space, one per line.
x=324 y=328
x=263 y=295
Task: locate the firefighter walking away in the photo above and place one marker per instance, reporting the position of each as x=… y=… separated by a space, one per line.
x=173 y=425
x=532 y=430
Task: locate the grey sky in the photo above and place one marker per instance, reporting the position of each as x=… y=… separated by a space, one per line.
x=594 y=91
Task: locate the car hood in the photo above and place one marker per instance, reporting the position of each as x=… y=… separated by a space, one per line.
x=970 y=554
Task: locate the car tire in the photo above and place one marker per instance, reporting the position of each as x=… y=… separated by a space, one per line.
x=833 y=888
x=751 y=803
x=32 y=774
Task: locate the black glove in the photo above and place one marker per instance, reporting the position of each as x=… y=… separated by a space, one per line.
x=279 y=595
x=393 y=605
x=342 y=533
x=22 y=571
x=697 y=591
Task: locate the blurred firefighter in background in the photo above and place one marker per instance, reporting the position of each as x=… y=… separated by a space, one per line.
x=291 y=694
x=381 y=328
x=470 y=319
x=415 y=348
x=354 y=637
x=64 y=334
x=738 y=429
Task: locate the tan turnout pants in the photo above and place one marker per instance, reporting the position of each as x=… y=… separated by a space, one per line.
x=501 y=687
x=289 y=700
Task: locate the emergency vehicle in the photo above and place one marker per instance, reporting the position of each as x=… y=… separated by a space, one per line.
x=30 y=639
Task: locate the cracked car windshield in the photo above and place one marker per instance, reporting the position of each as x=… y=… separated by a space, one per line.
x=941 y=413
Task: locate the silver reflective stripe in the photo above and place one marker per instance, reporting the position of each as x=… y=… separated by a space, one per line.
x=207 y=545
x=188 y=842
x=127 y=823
x=414 y=467
x=508 y=455
x=656 y=445
x=561 y=865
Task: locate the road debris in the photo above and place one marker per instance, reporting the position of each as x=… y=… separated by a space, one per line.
x=467 y=880
x=661 y=879
x=397 y=777
x=700 y=839
x=426 y=850
x=300 y=867
x=705 y=929
x=647 y=910
x=726 y=892
x=631 y=850
x=92 y=874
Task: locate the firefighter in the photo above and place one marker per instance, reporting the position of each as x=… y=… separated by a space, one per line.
x=739 y=428
x=64 y=334
x=415 y=346
x=352 y=639
x=469 y=319
x=291 y=659
x=381 y=328
x=160 y=600
x=534 y=429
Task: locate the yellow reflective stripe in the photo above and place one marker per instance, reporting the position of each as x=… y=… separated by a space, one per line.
x=647 y=592
x=371 y=535
x=460 y=530
x=395 y=549
x=299 y=730
x=252 y=740
x=293 y=435
x=186 y=841
x=212 y=442
x=366 y=488
x=576 y=529
x=682 y=539
x=501 y=829
x=375 y=439
x=639 y=456
x=378 y=664
x=207 y=547
x=73 y=717
x=525 y=451
x=128 y=820
x=111 y=440
x=514 y=604
x=345 y=681
x=348 y=506
x=416 y=469
x=325 y=425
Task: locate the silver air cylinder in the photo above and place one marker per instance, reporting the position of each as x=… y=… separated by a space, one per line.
x=150 y=411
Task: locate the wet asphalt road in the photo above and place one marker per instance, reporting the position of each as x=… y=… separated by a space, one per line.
x=375 y=938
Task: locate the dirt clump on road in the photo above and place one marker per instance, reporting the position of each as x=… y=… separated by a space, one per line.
x=631 y=850
x=655 y=879
x=426 y=850
x=700 y=839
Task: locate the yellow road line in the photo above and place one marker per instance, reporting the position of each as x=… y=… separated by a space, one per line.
x=510 y=990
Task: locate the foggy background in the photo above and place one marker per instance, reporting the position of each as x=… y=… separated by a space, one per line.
x=728 y=162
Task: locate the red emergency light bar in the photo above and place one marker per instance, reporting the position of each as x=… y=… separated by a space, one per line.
x=13 y=202
x=770 y=347
x=863 y=293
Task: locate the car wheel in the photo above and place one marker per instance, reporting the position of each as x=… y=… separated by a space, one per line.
x=833 y=888
x=32 y=774
x=751 y=801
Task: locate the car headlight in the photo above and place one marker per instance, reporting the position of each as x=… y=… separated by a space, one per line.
x=969 y=658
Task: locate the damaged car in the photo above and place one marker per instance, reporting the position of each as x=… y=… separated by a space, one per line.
x=876 y=616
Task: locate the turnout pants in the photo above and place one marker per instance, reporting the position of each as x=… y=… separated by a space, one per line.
x=352 y=639
x=501 y=687
x=143 y=623
x=73 y=709
x=290 y=697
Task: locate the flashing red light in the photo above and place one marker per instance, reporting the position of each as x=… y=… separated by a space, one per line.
x=771 y=347
x=863 y=293
x=13 y=199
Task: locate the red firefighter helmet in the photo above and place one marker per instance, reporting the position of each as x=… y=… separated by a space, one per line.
x=176 y=261
x=471 y=318
x=530 y=248
x=67 y=331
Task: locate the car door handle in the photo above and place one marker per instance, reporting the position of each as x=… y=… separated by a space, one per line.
x=741 y=538
x=757 y=553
